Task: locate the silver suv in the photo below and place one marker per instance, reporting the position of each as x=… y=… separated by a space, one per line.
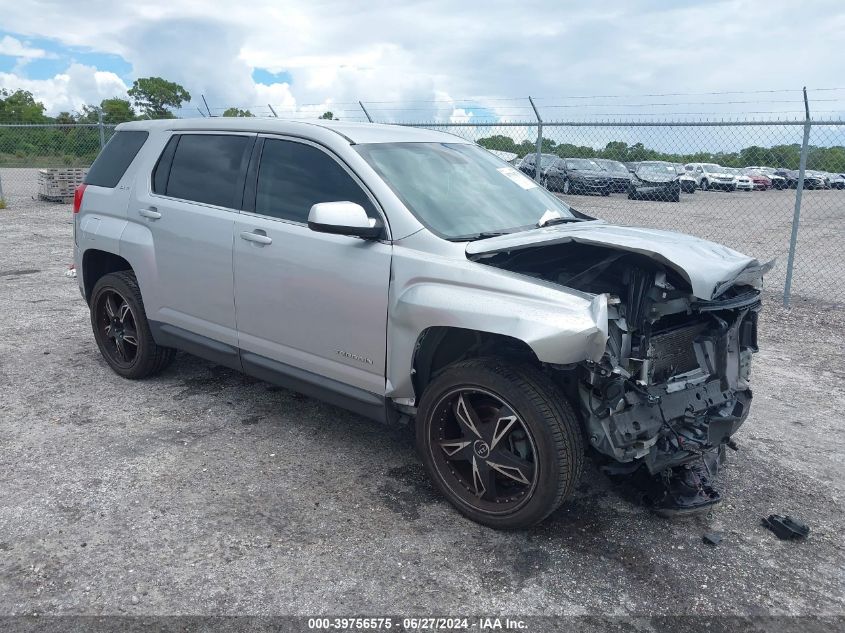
x=411 y=276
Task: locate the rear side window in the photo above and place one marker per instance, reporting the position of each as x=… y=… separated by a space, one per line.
x=293 y=176
x=115 y=158
x=207 y=168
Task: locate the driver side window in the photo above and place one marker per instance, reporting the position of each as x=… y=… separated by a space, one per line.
x=294 y=176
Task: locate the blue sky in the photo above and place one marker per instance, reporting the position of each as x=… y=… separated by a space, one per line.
x=436 y=60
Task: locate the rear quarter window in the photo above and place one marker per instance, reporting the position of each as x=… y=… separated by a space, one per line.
x=115 y=158
x=207 y=168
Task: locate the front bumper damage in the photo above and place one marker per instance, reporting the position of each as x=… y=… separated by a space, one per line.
x=661 y=401
x=669 y=393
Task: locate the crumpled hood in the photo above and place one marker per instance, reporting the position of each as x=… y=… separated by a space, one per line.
x=710 y=268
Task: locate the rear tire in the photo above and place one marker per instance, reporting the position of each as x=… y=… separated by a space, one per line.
x=676 y=196
x=519 y=456
x=121 y=328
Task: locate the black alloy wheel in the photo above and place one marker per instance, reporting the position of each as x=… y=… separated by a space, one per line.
x=499 y=441
x=117 y=328
x=485 y=449
x=121 y=328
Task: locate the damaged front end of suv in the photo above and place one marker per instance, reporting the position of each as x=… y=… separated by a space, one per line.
x=673 y=384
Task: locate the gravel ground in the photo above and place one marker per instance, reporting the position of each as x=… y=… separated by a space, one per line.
x=206 y=492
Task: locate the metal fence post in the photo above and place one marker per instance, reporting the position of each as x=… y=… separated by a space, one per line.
x=799 y=190
x=537 y=162
x=102 y=129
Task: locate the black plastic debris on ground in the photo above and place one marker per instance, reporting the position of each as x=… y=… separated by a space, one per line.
x=786 y=528
x=712 y=538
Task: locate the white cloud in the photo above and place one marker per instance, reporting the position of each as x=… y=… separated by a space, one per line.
x=13 y=47
x=418 y=55
x=70 y=90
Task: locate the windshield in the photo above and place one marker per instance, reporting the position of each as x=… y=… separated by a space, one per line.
x=612 y=165
x=583 y=164
x=656 y=168
x=711 y=168
x=546 y=160
x=459 y=190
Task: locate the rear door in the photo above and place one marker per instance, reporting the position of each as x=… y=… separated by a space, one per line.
x=189 y=208
x=312 y=303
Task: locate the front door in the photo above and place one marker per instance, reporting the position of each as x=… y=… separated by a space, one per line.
x=308 y=304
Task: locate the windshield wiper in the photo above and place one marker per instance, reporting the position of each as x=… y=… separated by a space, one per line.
x=557 y=220
x=483 y=235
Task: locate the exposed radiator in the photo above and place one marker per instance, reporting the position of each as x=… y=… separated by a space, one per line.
x=672 y=351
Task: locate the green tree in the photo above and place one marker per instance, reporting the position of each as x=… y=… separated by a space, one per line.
x=237 y=112
x=65 y=118
x=156 y=96
x=116 y=110
x=327 y=115
x=20 y=107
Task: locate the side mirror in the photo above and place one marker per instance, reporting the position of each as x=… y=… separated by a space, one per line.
x=343 y=218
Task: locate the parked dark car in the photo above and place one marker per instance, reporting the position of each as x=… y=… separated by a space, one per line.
x=620 y=177
x=527 y=164
x=655 y=181
x=577 y=175
x=810 y=181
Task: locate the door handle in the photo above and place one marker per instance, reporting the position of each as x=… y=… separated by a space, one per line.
x=258 y=238
x=151 y=213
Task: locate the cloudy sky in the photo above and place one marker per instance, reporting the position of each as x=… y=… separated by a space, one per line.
x=433 y=59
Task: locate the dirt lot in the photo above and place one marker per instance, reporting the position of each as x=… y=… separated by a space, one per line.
x=205 y=492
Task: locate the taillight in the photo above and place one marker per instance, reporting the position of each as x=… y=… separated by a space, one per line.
x=77 y=197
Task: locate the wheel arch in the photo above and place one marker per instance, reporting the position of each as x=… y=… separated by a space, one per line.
x=440 y=346
x=97 y=263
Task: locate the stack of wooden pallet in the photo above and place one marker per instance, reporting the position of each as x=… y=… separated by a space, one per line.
x=58 y=184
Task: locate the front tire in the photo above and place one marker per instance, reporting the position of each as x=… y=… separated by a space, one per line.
x=705 y=185
x=121 y=328
x=567 y=187
x=500 y=442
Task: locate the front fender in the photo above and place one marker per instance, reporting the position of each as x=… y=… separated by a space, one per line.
x=559 y=327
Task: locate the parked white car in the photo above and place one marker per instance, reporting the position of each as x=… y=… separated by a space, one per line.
x=743 y=182
x=711 y=176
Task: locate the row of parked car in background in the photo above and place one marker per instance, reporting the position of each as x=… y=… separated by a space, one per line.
x=663 y=180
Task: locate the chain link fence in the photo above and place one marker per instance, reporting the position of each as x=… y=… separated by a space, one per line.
x=739 y=184
x=27 y=148
x=742 y=182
